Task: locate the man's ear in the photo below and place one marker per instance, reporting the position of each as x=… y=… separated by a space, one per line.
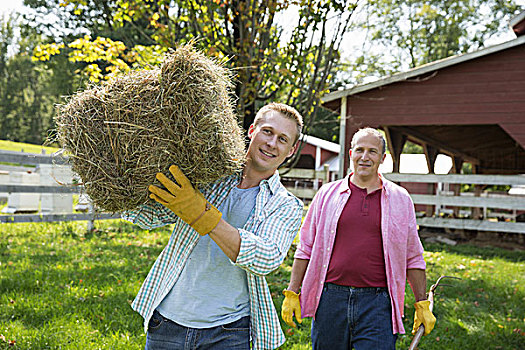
x=383 y=158
x=251 y=129
x=292 y=151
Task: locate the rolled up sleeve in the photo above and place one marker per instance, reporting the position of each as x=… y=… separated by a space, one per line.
x=149 y=216
x=414 y=247
x=263 y=251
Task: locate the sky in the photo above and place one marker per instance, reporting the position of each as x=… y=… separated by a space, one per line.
x=10 y=5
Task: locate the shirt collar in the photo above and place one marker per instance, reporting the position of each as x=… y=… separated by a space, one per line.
x=272 y=183
x=345 y=185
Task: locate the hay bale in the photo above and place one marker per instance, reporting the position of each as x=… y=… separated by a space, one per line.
x=121 y=133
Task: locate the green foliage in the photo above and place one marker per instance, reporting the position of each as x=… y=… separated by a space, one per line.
x=28 y=90
x=246 y=35
x=416 y=32
x=413 y=148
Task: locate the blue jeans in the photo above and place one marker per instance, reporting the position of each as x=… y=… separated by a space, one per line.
x=164 y=334
x=353 y=317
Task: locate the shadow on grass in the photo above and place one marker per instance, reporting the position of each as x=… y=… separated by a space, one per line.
x=478 y=252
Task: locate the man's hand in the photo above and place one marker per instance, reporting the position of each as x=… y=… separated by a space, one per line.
x=188 y=203
x=290 y=307
x=424 y=316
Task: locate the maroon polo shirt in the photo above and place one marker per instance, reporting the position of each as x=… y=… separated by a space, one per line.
x=357 y=257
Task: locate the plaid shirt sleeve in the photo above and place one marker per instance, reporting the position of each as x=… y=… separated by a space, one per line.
x=265 y=245
x=149 y=216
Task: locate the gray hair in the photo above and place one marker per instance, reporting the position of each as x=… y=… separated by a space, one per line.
x=369 y=131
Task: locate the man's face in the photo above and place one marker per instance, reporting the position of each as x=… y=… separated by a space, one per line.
x=366 y=156
x=271 y=141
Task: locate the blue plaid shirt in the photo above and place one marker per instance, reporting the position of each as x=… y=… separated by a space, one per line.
x=265 y=240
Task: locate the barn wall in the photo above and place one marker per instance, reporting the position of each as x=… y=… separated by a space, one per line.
x=485 y=90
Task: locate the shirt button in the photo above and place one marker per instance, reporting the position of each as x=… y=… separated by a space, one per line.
x=324 y=265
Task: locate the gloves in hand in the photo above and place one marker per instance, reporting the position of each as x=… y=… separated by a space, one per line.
x=424 y=316
x=188 y=203
x=290 y=307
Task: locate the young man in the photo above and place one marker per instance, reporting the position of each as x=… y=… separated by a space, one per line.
x=358 y=245
x=207 y=288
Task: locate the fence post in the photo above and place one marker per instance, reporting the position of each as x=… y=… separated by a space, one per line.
x=326 y=168
x=91 y=221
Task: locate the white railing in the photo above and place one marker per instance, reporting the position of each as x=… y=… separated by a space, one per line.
x=310 y=175
x=471 y=200
x=35 y=159
x=488 y=203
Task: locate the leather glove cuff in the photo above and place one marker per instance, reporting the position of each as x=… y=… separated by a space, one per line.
x=207 y=220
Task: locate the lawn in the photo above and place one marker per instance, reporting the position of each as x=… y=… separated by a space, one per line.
x=25 y=147
x=61 y=288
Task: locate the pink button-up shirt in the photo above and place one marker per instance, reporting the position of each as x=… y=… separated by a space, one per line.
x=401 y=245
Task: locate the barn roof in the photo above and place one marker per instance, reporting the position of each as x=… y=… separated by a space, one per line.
x=324 y=144
x=421 y=70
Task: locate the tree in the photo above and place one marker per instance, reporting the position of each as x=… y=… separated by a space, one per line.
x=245 y=33
x=28 y=90
x=415 y=32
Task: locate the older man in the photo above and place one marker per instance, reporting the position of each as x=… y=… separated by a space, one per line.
x=358 y=245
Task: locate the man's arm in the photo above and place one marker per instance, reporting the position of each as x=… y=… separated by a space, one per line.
x=423 y=315
x=227 y=238
x=298 y=270
x=418 y=282
x=291 y=305
x=150 y=216
x=259 y=253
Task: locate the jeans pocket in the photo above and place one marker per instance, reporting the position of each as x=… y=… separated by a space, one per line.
x=242 y=324
x=155 y=321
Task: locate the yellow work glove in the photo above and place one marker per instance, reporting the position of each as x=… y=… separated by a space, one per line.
x=188 y=203
x=424 y=316
x=290 y=307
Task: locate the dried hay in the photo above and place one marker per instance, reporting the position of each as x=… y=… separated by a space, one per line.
x=121 y=133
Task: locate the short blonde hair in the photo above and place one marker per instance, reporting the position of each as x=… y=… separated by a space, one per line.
x=284 y=109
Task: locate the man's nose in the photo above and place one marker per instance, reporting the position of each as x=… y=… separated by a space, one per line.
x=272 y=141
x=366 y=155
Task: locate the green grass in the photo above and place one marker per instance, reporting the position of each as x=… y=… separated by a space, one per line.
x=61 y=288
x=25 y=147
x=483 y=310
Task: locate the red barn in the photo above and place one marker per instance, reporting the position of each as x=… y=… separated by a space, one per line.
x=470 y=107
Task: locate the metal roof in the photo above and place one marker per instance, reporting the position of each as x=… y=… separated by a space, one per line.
x=324 y=144
x=426 y=68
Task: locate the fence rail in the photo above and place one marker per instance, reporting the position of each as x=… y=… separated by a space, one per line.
x=471 y=179
x=25 y=159
x=30 y=158
x=447 y=199
x=24 y=218
x=41 y=189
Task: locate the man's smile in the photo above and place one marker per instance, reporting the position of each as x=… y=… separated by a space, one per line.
x=268 y=154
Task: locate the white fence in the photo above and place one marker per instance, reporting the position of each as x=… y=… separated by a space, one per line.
x=32 y=160
x=486 y=202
